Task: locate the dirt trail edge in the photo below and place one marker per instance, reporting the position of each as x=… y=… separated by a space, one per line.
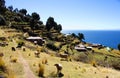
x=27 y=70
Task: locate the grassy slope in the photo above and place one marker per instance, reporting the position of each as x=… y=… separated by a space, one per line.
x=70 y=69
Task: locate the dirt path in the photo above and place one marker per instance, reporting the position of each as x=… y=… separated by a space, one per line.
x=27 y=70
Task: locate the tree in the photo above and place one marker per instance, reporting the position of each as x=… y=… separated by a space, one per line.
x=55 y=25
x=40 y=22
x=16 y=10
x=74 y=35
x=2 y=20
x=2 y=3
x=27 y=18
x=17 y=19
x=81 y=36
x=23 y=11
x=35 y=16
x=119 y=47
x=10 y=8
x=2 y=7
x=58 y=27
x=34 y=22
x=50 y=23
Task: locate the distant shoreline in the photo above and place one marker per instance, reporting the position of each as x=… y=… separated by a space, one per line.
x=108 y=38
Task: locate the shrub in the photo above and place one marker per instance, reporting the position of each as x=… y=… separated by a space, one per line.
x=52 y=46
x=44 y=61
x=116 y=66
x=43 y=49
x=2 y=65
x=119 y=47
x=41 y=70
x=14 y=60
x=20 y=44
x=94 y=63
x=17 y=19
x=3 y=39
x=2 y=20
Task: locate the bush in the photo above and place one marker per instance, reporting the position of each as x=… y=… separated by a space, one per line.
x=41 y=70
x=2 y=20
x=116 y=66
x=14 y=60
x=20 y=44
x=2 y=65
x=52 y=46
x=94 y=63
x=3 y=39
x=17 y=19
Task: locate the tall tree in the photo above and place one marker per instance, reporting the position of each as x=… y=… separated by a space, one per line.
x=81 y=36
x=74 y=35
x=2 y=7
x=34 y=21
x=2 y=20
x=27 y=18
x=50 y=23
x=58 y=27
x=35 y=16
x=32 y=24
x=10 y=8
x=23 y=11
x=16 y=10
x=2 y=3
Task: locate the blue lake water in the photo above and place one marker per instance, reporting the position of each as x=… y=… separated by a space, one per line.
x=109 y=38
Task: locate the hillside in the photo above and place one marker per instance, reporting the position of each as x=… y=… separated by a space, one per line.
x=26 y=64
x=30 y=49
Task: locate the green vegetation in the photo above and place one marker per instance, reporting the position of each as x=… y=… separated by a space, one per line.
x=18 y=25
x=118 y=46
x=54 y=46
x=2 y=20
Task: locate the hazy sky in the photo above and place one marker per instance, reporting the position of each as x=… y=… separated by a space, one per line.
x=75 y=14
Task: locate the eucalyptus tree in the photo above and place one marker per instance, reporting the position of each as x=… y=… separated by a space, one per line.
x=23 y=11
x=2 y=7
x=50 y=23
x=10 y=8
x=81 y=36
x=35 y=20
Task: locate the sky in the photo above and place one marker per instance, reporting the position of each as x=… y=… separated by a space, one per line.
x=75 y=14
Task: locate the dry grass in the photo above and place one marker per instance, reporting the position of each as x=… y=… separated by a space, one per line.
x=41 y=70
x=70 y=69
x=11 y=74
x=94 y=63
x=2 y=65
x=5 y=71
x=44 y=61
x=13 y=60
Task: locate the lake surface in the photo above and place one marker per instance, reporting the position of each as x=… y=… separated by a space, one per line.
x=109 y=38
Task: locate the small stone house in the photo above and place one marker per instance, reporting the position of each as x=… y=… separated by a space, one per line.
x=36 y=40
x=80 y=48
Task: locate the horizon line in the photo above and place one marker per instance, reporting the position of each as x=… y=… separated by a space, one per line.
x=95 y=29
